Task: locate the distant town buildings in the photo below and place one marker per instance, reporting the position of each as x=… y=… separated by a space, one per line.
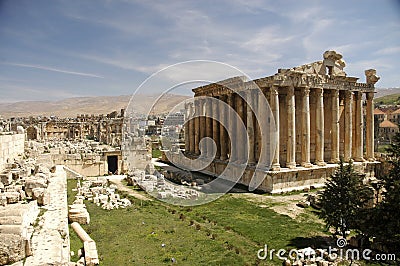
x=387 y=120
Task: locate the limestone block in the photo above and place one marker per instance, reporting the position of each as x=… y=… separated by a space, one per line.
x=41 y=195
x=12 y=248
x=12 y=197
x=6 y=178
x=91 y=256
x=78 y=213
x=32 y=183
x=3 y=200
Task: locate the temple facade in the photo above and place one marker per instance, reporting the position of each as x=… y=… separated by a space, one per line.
x=320 y=114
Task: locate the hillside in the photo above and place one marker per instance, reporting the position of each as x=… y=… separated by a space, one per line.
x=71 y=107
x=391 y=99
x=380 y=92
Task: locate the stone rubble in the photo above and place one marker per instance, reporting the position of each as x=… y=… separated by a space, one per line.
x=23 y=188
x=99 y=192
x=161 y=188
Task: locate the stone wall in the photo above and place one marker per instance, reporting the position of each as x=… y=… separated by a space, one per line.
x=11 y=145
x=284 y=180
x=91 y=165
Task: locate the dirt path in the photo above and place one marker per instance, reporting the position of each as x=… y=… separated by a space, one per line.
x=129 y=191
x=285 y=204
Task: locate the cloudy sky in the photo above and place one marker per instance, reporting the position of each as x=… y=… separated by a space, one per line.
x=51 y=50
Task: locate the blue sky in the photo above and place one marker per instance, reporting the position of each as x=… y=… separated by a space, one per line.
x=51 y=50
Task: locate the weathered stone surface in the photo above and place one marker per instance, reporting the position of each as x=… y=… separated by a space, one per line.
x=41 y=195
x=12 y=248
x=371 y=76
x=16 y=230
x=50 y=241
x=34 y=182
x=78 y=213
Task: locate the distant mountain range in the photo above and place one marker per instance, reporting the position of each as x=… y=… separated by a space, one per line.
x=380 y=92
x=71 y=107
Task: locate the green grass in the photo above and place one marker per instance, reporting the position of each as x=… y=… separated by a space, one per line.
x=156 y=153
x=228 y=231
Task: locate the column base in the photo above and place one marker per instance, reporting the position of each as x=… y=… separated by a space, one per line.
x=320 y=163
x=251 y=163
x=334 y=161
x=276 y=167
x=306 y=165
x=291 y=165
x=347 y=159
x=372 y=159
x=360 y=159
x=223 y=158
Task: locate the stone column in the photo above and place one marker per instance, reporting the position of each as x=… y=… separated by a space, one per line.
x=240 y=135
x=370 y=127
x=197 y=126
x=319 y=122
x=275 y=111
x=202 y=123
x=348 y=124
x=209 y=125
x=359 y=145
x=215 y=129
x=305 y=127
x=291 y=137
x=250 y=125
x=232 y=128
x=223 y=136
x=335 y=127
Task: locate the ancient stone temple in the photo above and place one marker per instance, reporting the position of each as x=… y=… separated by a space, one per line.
x=320 y=113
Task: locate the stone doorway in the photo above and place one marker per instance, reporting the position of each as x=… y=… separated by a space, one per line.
x=112 y=162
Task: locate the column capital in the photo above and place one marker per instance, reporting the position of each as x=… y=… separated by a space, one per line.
x=319 y=90
x=274 y=90
x=358 y=95
x=290 y=90
x=349 y=94
x=370 y=96
x=305 y=91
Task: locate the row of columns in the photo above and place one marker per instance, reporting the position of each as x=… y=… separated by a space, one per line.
x=201 y=127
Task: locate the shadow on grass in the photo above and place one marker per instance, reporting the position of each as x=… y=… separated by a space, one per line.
x=314 y=242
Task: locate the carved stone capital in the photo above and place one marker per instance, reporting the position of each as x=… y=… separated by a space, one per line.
x=370 y=96
x=305 y=91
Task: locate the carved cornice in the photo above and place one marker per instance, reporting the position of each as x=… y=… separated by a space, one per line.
x=287 y=79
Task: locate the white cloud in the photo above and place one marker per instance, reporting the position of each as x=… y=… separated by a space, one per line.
x=388 y=50
x=53 y=70
x=123 y=63
x=266 y=38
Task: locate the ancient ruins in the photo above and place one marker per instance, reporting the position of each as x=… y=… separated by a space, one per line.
x=319 y=116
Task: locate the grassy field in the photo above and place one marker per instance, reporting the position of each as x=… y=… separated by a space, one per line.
x=156 y=153
x=228 y=231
